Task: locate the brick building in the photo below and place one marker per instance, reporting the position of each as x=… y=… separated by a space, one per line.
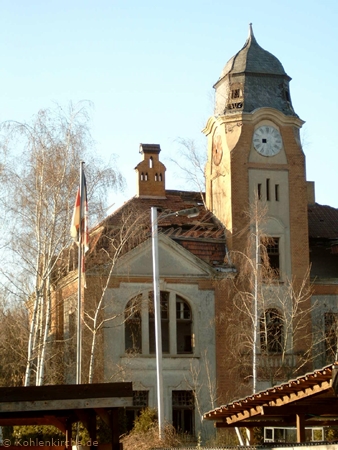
x=255 y=165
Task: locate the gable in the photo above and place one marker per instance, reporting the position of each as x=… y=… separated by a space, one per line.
x=174 y=261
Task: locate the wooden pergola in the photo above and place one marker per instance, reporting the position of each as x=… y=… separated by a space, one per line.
x=63 y=405
x=309 y=400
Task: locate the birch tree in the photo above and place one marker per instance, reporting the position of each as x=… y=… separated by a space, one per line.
x=268 y=321
x=40 y=174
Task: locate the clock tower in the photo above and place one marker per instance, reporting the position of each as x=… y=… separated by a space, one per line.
x=255 y=155
x=256 y=165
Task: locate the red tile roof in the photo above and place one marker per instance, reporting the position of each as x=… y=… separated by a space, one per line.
x=204 y=236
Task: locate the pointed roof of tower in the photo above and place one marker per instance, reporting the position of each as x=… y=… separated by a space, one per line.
x=252 y=79
x=252 y=58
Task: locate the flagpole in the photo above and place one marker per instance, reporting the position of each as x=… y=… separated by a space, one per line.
x=79 y=288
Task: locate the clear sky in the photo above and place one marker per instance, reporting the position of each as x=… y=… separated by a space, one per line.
x=149 y=66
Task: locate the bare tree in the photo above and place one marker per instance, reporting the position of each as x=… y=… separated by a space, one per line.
x=40 y=175
x=13 y=342
x=130 y=231
x=269 y=322
x=191 y=161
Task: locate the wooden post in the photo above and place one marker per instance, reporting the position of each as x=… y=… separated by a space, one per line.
x=91 y=426
x=249 y=436
x=300 y=428
x=115 y=441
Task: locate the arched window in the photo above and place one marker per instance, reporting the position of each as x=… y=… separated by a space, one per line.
x=132 y=317
x=151 y=162
x=271 y=331
x=183 y=326
x=156 y=177
x=176 y=324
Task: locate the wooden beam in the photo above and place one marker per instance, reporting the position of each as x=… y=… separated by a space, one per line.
x=300 y=394
x=254 y=423
x=63 y=392
x=103 y=414
x=65 y=404
x=313 y=409
x=278 y=422
x=300 y=423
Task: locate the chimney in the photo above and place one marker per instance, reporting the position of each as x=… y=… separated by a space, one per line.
x=150 y=173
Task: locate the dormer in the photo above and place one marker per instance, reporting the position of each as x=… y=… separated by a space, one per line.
x=150 y=172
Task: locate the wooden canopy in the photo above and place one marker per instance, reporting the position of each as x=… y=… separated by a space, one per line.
x=309 y=400
x=63 y=405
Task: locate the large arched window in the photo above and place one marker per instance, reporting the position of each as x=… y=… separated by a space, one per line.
x=271 y=331
x=132 y=317
x=176 y=324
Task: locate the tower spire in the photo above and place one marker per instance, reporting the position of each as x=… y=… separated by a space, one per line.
x=251 y=36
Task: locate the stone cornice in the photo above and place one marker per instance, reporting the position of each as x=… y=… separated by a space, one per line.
x=252 y=118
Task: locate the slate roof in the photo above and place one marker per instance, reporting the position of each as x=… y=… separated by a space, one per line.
x=262 y=78
x=252 y=58
x=323 y=222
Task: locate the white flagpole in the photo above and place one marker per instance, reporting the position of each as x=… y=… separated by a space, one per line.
x=79 y=288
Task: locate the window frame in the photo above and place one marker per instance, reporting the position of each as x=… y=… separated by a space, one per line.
x=172 y=326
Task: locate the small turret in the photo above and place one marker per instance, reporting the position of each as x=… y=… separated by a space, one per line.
x=150 y=172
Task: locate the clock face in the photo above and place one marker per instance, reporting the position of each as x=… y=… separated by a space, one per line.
x=267 y=140
x=217 y=150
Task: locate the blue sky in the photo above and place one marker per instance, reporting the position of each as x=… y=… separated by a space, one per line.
x=149 y=66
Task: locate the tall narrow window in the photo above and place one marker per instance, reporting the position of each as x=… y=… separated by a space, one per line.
x=71 y=342
x=183 y=326
x=277 y=192
x=156 y=177
x=270 y=257
x=132 y=316
x=183 y=411
x=268 y=189
x=259 y=191
x=164 y=300
x=271 y=331
x=71 y=325
x=151 y=162
x=140 y=401
x=331 y=335
x=272 y=250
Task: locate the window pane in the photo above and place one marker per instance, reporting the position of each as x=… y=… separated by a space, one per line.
x=164 y=299
x=271 y=330
x=183 y=326
x=140 y=401
x=133 y=334
x=183 y=411
x=270 y=259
